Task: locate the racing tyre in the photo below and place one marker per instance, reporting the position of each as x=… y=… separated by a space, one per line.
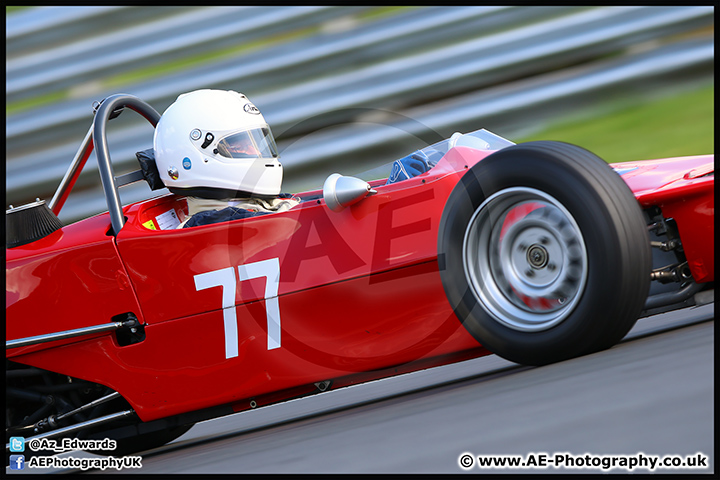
x=544 y=253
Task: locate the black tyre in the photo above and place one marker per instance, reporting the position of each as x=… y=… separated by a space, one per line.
x=544 y=253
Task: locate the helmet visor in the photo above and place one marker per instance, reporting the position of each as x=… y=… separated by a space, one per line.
x=255 y=143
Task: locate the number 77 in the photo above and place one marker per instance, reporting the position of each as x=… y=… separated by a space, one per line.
x=225 y=278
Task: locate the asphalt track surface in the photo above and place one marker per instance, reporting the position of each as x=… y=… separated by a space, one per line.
x=653 y=394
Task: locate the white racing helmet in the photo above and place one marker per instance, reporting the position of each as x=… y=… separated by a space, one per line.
x=216 y=144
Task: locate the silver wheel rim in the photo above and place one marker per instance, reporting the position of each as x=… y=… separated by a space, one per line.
x=525 y=259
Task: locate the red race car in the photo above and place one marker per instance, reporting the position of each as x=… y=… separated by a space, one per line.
x=122 y=326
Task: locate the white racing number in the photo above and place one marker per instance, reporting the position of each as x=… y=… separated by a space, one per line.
x=225 y=278
x=270 y=269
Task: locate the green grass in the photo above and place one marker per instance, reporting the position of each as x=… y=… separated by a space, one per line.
x=677 y=125
x=36 y=101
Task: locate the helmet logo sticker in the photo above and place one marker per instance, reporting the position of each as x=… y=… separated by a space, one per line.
x=187 y=164
x=195 y=134
x=250 y=108
x=173 y=172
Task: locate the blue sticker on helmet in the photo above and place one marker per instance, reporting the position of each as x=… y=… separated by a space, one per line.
x=186 y=163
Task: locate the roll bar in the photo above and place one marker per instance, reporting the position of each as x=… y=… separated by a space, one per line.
x=96 y=138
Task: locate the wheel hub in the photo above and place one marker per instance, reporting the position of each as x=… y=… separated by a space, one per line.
x=537 y=257
x=525 y=258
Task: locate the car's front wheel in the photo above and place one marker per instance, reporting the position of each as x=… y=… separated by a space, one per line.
x=544 y=253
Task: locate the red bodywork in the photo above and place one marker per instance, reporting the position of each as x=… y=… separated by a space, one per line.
x=358 y=296
x=683 y=188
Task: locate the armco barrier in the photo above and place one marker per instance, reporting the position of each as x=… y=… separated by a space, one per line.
x=323 y=91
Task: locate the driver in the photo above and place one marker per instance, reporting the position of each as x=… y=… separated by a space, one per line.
x=215 y=148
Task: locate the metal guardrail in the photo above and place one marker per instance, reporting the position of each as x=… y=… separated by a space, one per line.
x=186 y=34
x=440 y=68
x=27 y=24
x=262 y=69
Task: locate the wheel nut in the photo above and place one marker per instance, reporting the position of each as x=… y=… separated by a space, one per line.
x=537 y=256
